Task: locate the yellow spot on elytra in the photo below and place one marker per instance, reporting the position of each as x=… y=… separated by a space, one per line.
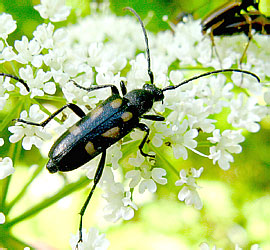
x=112 y=133
x=75 y=130
x=89 y=147
x=116 y=103
x=126 y=116
x=96 y=112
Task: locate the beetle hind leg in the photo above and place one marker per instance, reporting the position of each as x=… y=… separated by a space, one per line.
x=97 y=177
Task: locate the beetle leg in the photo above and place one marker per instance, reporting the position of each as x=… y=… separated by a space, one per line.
x=18 y=79
x=123 y=87
x=249 y=34
x=114 y=88
x=145 y=128
x=153 y=117
x=76 y=109
x=97 y=177
x=214 y=48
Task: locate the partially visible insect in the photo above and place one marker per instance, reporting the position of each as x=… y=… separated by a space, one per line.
x=245 y=23
x=114 y=118
x=225 y=15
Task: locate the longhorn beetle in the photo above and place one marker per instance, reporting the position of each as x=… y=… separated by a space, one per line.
x=114 y=118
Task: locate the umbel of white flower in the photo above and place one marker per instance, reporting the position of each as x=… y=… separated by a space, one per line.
x=90 y=55
x=189 y=193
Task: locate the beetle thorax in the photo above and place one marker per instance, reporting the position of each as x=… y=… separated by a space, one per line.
x=143 y=99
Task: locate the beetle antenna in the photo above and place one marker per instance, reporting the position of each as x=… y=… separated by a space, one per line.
x=18 y=79
x=150 y=73
x=211 y=73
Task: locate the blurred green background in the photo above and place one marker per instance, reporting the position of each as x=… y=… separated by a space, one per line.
x=236 y=202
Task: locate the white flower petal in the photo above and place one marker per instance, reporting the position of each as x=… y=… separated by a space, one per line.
x=7 y=25
x=6 y=167
x=157 y=175
x=2 y=218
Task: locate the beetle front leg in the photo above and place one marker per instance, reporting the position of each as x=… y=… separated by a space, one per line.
x=113 y=88
x=76 y=109
x=158 y=118
x=145 y=128
x=123 y=88
x=97 y=177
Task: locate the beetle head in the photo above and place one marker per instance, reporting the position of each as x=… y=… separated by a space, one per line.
x=156 y=92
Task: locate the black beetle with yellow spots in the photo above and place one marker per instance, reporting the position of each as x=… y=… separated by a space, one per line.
x=114 y=118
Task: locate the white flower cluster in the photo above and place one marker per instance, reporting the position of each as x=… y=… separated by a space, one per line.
x=145 y=176
x=32 y=135
x=98 y=50
x=226 y=143
x=91 y=240
x=189 y=192
x=119 y=204
x=205 y=246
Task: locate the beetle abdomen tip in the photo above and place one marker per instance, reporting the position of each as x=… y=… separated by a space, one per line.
x=51 y=167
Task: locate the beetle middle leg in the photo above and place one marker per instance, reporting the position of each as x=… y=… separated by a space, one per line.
x=76 y=109
x=153 y=117
x=97 y=177
x=145 y=128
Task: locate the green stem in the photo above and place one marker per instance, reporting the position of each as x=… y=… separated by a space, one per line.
x=10 y=241
x=46 y=111
x=204 y=144
x=14 y=153
x=4 y=188
x=128 y=149
x=10 y=116
x=161 y=156
x=52 y=98
x=196 y=68
x=15 y=150
x=23 y=190
x=68 y=189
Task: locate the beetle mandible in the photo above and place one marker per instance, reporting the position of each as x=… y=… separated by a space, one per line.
x=114 y=118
